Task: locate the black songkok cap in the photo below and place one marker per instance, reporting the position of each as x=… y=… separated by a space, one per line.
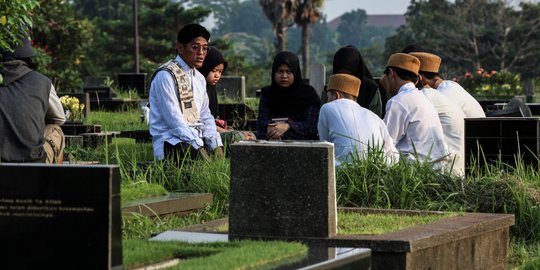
x=19 y=51
x=191 y=31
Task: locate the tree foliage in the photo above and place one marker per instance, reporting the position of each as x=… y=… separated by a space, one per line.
x=281 y=13
x=472 y=34
x=113 y=44
x=60 y=37
x=307 y=13
x=15 y=21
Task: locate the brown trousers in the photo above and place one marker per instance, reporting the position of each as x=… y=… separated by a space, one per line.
x=54 y=144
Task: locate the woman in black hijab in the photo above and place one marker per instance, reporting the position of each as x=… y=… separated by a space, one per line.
x=214 y=60
x=213 y=67
x=348 y=60
x=288 y=108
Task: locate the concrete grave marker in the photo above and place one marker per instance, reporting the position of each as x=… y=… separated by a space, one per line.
x=282 y=189
x=60 y=217
x=233 y=87
x=317 y=77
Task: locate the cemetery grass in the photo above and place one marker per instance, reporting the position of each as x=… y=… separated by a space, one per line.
x=223 y=255
x=498 y=188
x=377 y=224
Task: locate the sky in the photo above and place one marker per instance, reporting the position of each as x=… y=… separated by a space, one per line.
x=335 y=8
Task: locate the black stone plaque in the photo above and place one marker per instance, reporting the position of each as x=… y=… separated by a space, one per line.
x=283 y=189
x=60 y=217
x=502 y=138
x=133 y=80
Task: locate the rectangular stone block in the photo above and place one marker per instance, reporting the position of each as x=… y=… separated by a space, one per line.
x=233 y=87
x=60 y=217
x=504 y=138
x=282 y=189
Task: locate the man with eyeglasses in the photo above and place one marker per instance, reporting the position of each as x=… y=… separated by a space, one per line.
x=181 y=124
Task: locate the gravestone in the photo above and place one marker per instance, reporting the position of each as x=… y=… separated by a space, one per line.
x=504 y=138
x=286 y=188
x=95 y=81
x=60 y=217
x=233 y=87
x=133 y=81
x=317 y=77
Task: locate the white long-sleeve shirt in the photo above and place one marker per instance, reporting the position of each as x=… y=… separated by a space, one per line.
x=414 y=125
x=453 y=124
x=55 y=112
x=468 y=104
x=353 y=130
x=167 y=123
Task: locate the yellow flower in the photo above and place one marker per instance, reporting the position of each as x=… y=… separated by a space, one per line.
x=74 y=110
x=3 y=20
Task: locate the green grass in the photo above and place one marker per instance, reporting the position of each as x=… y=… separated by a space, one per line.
x=497 y=188
x=117 y=121
x=141 y=190
x=376 y=224
x=229 y=255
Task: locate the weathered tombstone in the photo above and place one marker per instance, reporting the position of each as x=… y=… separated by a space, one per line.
x=528 y=89
x=286 y=188
x=133 y=81
x=60 y=217
x=233 y=87
x=95 y=81
x=317 y=77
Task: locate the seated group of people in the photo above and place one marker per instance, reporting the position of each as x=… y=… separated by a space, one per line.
x=423 y=118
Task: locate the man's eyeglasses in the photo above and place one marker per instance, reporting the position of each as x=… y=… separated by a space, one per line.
x=197 y=47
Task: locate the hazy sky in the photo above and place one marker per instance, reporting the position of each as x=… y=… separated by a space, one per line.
x=335 y=8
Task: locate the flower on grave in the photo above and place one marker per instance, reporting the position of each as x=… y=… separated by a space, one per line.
x=72 y=108
x=492 y=83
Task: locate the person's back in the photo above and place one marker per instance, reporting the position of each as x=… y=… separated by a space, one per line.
x=468 y=104
x=414 y=123
x=453 y=125
x=30 y=111
x=411 y=119
x=355 y=131
x=24 y=96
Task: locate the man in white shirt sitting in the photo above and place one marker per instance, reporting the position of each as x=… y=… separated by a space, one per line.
x=354 y=130
x=411 y=119
x=455 y=93
x=451 y=116
x=181 y=124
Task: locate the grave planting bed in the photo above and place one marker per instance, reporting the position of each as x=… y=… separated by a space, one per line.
x=465 y=240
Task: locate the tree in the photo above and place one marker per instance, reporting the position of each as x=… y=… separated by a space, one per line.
x=159 y=22
x=351 y=28
x=61 y=37
x=472 y=33
x=281 y=13
x=307 y=13
x=15 y=21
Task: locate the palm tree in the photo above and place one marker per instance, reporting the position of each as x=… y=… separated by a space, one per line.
x=307 y=13
x=281 y=13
